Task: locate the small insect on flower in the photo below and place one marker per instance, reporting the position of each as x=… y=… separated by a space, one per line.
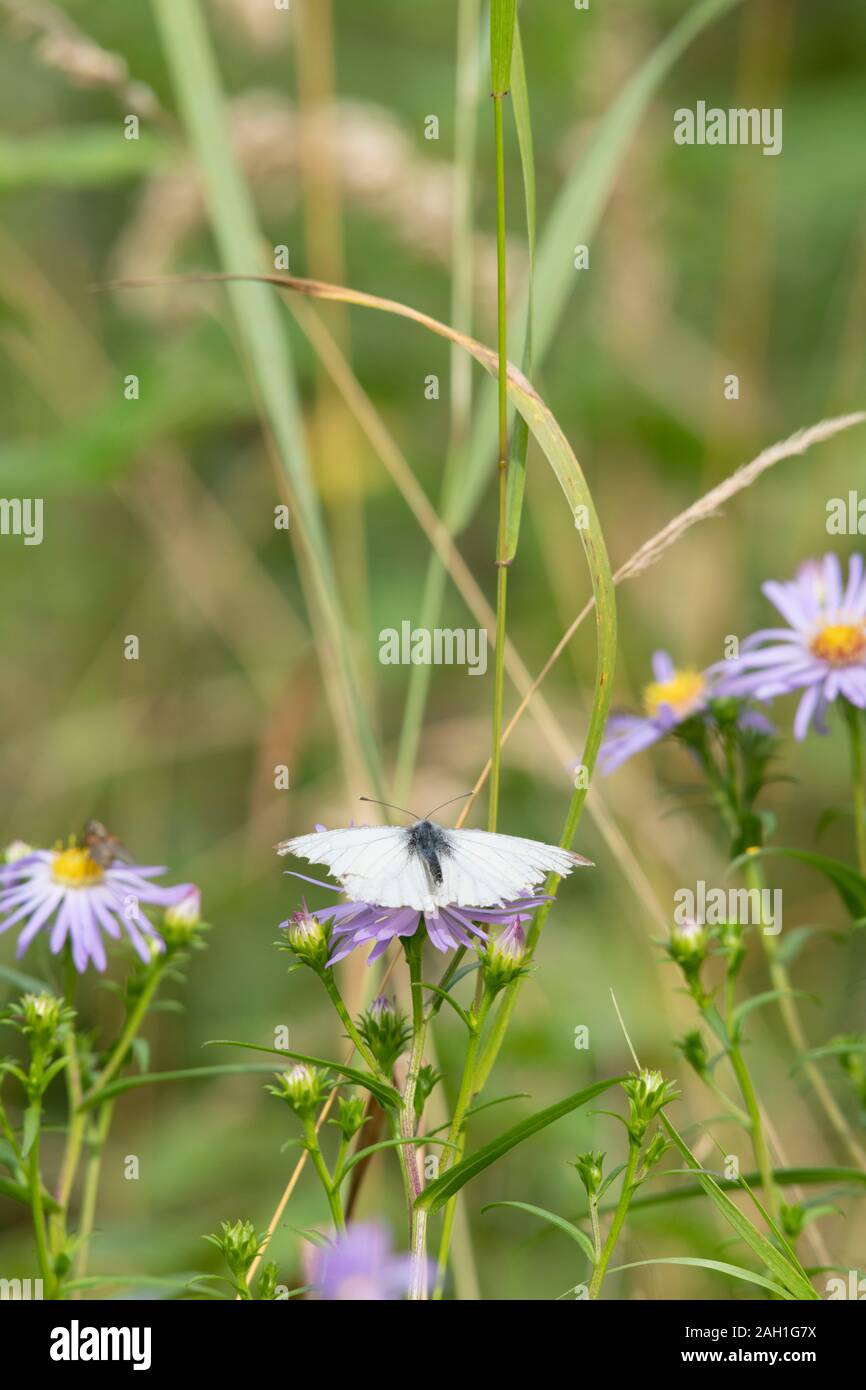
x=821 y=653
x=359 y=1267
x=103 y=847
x=83 y=898
x=426 y=867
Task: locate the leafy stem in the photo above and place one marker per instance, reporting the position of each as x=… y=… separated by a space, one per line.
x=625 y=1196
x=854 y=720
x=332 y=1191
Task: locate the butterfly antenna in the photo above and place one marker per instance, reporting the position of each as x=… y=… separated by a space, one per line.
x=461 y=797
x=401 y=809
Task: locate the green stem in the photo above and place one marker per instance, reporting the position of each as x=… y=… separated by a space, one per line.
x=131 y=1027
x=354 y=1036
x=408 y=1126
x=506 y=1008
x=618 y=1219
x=332 y=1191
x=756 y=1126
x=46 y=1268
x=96 y=1143
x=858 y=790
x=455 y=1133
x=781 y=981
x=501 y=562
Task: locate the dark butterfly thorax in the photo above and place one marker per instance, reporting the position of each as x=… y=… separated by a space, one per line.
x=430 y=842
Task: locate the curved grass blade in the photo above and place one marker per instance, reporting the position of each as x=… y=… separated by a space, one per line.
x=748 y=1276
x=548 y=433
x=574 y=1232
x=574 y=219
x=439 y=1192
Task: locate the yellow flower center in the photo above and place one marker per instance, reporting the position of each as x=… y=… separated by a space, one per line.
x=682 y=693
x=840 y=644
x=74 y=868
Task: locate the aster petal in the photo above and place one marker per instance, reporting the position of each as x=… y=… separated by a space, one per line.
x=663 y=667
x=805 y=710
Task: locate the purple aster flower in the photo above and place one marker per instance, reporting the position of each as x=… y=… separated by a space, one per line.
x=671 y=697
x=360 y=1267
x=821 y=653
x=355 y=924
x=83 y=899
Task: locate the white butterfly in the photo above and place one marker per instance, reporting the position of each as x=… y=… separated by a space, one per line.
x=425 y=866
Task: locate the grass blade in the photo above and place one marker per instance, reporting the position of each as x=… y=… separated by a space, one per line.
x=196 y=79
x=437 y=1193
x=574 y=1232
x=786 y=1269
x=748 y=1276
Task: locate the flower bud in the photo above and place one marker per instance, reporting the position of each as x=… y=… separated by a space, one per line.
x=17 y=850
x=647 y=1092
x=239 y=1244
x=385 y=1030
x=43 y=1018
x=688 y=944
x=302 y=1088
x=428 y=1077
x=590 y=1171
x=655 y=1150
x=181 y=921
x=503 y=956
x=693 y=1048
x=351 y=1116
x=266 y=1284
x=307 y=938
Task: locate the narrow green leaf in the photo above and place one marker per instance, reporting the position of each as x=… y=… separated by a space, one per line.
x=28 y=983
x=748 y=1276
x=501 y=44
x=20 y=1192
x=516 y=479
x=757 y=1001
x=438 y=1193
x=32 y=1116
x=786 y=1269
x=849 y=884
x=559 y=1222
x=87 y=157
x=444 y=995
x=784 y=1177
x=386 y=1095
x=133 y=1083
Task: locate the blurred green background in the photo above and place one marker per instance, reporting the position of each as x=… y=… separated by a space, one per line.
x=159 y=522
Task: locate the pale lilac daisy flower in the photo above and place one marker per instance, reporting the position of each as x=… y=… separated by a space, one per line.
x=360 y=1267
x=821 y=653
x=672 y=697
x=355 y=924
x=83 y=899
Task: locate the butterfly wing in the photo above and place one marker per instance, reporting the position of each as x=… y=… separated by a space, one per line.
x=484 y=869
x=372 y=862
